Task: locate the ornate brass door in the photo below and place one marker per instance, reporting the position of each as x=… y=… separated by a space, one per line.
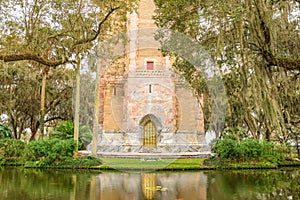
x=149 y=138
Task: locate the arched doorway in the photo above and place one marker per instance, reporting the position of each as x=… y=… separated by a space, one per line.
x=150 y=126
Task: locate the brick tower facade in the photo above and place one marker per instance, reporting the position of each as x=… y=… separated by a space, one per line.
x=148 y=108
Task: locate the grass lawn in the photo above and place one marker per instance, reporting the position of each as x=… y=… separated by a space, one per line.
x=149 y=164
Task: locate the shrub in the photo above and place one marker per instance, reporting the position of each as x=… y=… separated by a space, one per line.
x=11 y=148
x=11 y=151
x=85 y=135
x=5 y=132
x=65 y=130
x=272 y=151
x=225 y=148
x=249 y=150
x=49 y=151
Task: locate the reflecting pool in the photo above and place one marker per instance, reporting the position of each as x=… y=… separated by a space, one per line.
x=18 y=183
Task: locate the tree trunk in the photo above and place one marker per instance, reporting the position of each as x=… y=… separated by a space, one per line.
x=34 y=128
x=14 y=127
x=77 y=105
x=96 y=113
x=248 y=121
x=297 y=146
x=43 y=92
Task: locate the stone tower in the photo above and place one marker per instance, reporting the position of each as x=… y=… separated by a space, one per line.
x=148 y=109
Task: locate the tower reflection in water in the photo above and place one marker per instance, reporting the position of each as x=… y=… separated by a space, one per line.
x=149 y=186
x=115 y=186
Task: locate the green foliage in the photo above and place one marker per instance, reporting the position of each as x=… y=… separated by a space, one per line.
x=256 y=52
x=234 y=133
x=45 y=152
x=5 y=132
x=249 y=150
x=20 y=98
x=62 y=31
x=85 y=135
x=225 y=148
x=81 y=162
x=11 y=148
x=49 y=151
x=65 y=130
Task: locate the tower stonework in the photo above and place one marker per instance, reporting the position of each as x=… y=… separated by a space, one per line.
x=148 y=108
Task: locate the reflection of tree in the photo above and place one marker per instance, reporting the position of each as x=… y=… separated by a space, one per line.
x=32 y=185
x=38 y=184
x=50 y=184
x=253 y=185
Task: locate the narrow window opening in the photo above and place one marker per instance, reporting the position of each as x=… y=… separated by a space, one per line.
x=115 y=91
x=150 y=88
x=150 y=65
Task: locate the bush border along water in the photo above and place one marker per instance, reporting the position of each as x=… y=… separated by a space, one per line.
x=248 y=153
x=229 y=154
x=51 y=152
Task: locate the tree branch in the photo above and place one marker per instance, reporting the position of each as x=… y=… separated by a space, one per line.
x=286 y=63
x=54 y=63
x=94 y=37
x=54 y=118
x=33 y=57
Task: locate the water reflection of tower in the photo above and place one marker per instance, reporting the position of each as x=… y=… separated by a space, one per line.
x=149 y=183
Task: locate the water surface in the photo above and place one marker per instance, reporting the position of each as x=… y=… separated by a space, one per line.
x=36 y=184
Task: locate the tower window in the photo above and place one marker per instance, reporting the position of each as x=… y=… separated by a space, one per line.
x=150 y=88
x=115 y=91
x=150 y=65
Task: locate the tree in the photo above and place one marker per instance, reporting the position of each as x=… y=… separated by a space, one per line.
x=20 y=86
x=256 y=46
x=53 y=33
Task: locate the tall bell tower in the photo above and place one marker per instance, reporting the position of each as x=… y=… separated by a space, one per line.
x=150 y=109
